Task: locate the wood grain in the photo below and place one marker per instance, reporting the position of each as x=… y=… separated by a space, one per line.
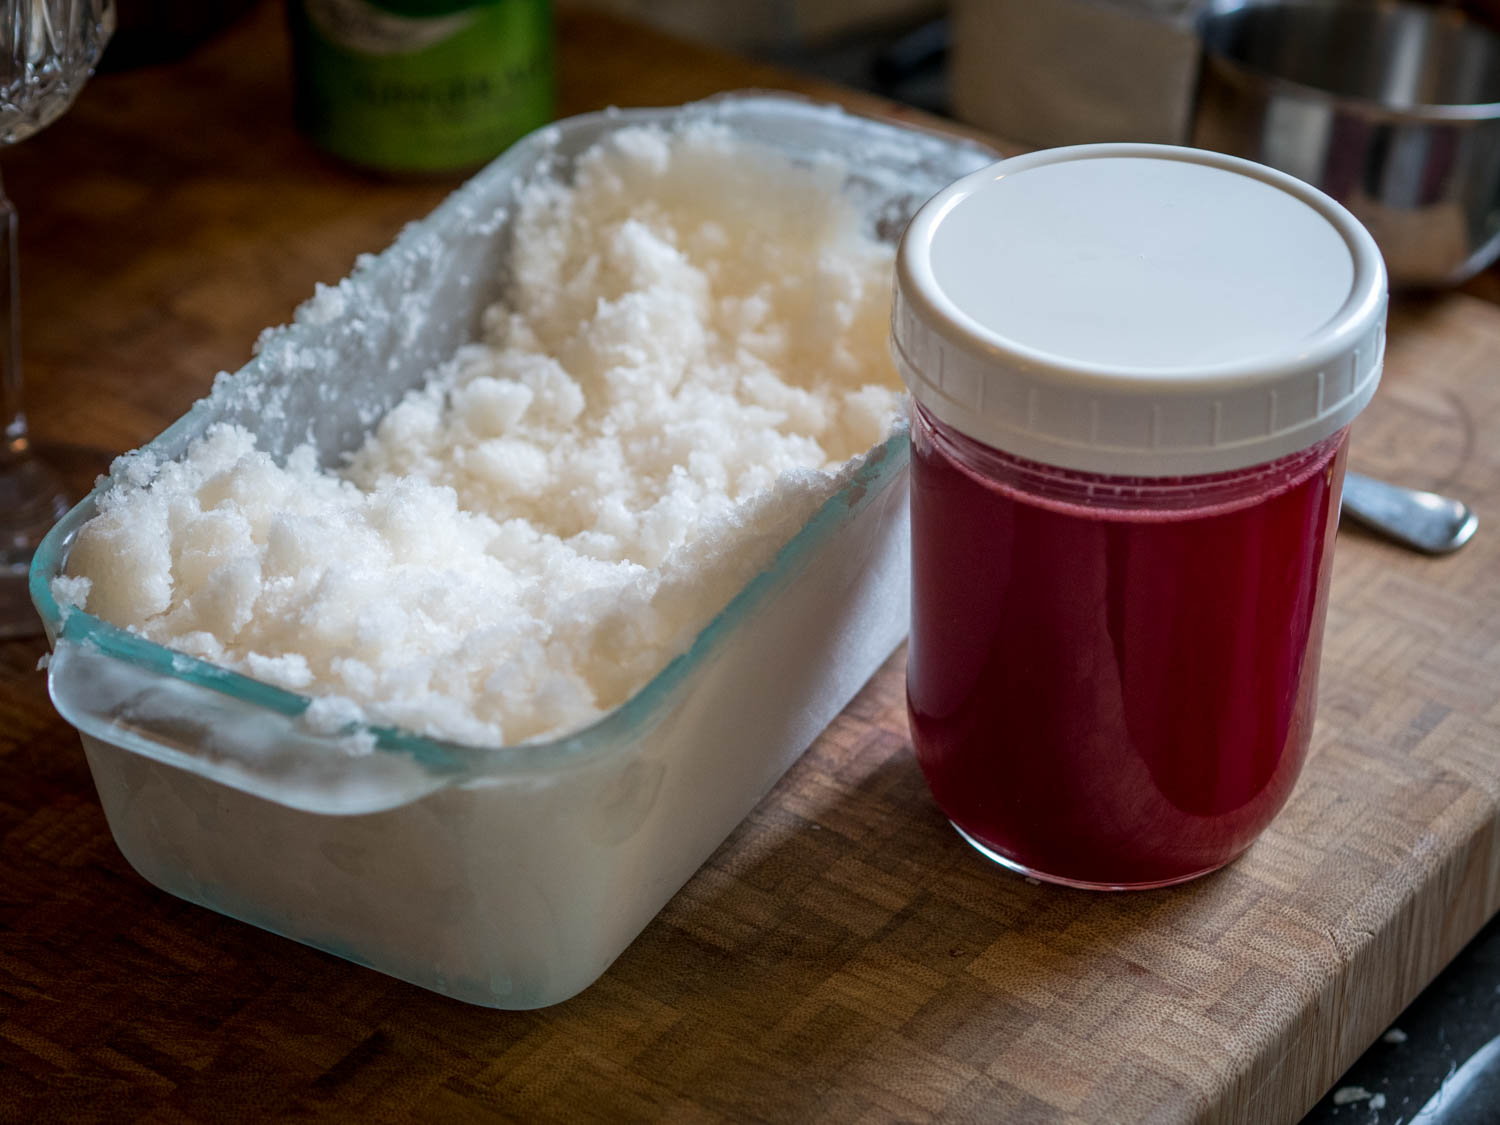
x=843 y=956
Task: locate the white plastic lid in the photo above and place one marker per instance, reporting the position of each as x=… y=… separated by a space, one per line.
x=1139 y=310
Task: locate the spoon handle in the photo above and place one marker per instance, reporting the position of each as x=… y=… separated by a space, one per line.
x=1423 y=521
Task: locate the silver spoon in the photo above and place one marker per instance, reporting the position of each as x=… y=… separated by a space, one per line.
x=1423 y=521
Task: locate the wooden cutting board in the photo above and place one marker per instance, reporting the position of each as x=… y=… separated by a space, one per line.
x=844 y=956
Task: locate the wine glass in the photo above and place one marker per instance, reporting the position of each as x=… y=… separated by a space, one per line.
x=48 y=49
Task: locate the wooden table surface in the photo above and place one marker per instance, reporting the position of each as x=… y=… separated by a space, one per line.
x=843 y=956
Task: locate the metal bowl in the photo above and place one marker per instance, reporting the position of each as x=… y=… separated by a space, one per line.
x=1391 y=108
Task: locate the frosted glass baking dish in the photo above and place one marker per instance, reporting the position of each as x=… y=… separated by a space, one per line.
x=511 y=876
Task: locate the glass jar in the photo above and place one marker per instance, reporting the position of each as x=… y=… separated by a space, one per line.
x=1124 y=497
x=1126 y=699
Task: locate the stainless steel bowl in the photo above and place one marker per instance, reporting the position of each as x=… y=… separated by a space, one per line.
x=1391 y=108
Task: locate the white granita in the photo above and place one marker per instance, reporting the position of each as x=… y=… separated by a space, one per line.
x=691 y=346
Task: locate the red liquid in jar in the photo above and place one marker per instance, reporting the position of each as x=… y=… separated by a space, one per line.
x=1111 y=681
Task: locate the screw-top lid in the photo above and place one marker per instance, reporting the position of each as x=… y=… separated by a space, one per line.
x=1140 y=310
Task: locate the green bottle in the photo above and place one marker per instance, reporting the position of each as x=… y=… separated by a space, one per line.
x=421 y=85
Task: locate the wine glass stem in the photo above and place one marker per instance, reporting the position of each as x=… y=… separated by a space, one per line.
x=15 y=445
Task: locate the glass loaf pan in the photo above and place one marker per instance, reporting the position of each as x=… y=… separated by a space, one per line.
x=512 y=876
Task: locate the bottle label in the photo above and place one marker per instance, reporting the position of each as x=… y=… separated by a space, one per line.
x=421 y=85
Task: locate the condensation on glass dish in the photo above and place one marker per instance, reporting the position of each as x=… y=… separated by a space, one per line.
x=687 y=359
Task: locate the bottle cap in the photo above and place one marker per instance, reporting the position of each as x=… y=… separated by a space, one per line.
x=1139 y=310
